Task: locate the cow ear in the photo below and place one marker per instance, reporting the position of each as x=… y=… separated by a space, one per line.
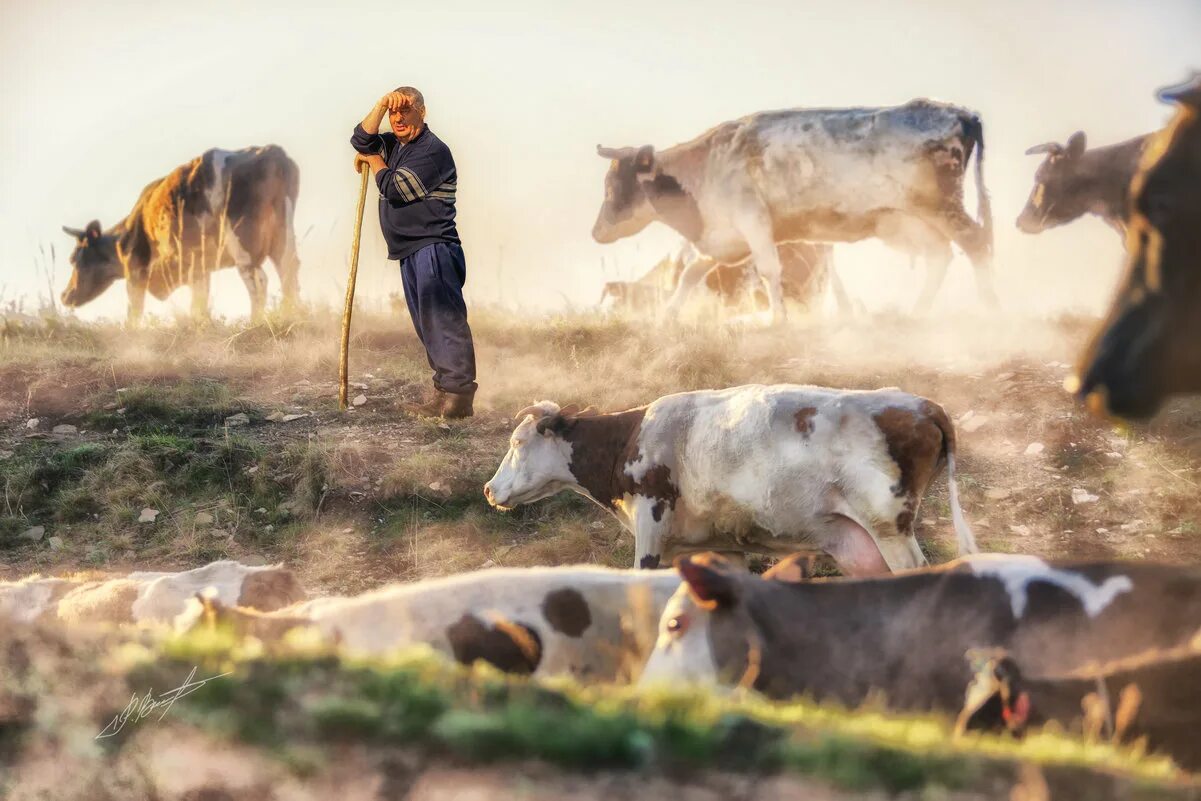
x=1077 y=145
x=712 y=580
x=793 y=569
x=555 y=425
x=644 y=160
x=93 y=230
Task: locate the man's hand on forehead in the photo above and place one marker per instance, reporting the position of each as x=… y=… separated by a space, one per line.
x=395 y=101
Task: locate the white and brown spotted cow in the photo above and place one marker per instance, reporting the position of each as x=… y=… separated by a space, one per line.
x=145 y=597
x=905 y=636
x=588 y=622
x=814 y=175
x=224 y=208
x=767 y=469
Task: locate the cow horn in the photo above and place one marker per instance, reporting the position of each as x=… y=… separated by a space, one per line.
x=608 y=152
x=75 y=232
x=537 y=410
x=570 y=410
x=1047 y=147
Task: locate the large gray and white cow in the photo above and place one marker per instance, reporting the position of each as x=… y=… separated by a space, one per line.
x=224 y=208
x=815 y=175
x=1073 y=181
x=906 y=636
x=765 y=469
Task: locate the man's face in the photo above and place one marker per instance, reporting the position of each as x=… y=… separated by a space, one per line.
x=406 y=122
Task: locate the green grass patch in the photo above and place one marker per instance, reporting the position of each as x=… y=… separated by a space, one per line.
x=301 y=698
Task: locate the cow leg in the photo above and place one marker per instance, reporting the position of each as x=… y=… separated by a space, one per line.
x=757 y=230
x=840 y=293
x=692 y=275
x=938 y=258
x=255 y=278
x=287 y=263
x=652 y=522
x=136 y=292
x=977 y=244
x=200 y=294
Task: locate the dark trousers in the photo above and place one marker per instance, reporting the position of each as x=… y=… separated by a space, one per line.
x=433 y=282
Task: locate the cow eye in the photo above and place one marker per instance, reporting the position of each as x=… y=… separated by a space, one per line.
x=677 y=624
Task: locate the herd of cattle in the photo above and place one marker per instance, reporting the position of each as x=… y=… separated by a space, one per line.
x=704 y=477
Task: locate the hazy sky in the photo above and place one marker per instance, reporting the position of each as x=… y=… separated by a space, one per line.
x=98 y=99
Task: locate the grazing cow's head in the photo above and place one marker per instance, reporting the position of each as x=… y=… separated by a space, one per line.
x=626 y=209
x=538 y=463
x=995 y=699
x=94 y=262
x=706 y=635
x=1149 y=346
x=1058 y=195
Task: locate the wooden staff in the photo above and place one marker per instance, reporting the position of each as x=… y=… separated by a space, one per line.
x=344 y=362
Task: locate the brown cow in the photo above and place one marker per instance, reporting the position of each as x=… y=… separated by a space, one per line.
x=222 y=209
x=1149 y=346
x=905 y=636
x=1156 y=695
x=1073 y=181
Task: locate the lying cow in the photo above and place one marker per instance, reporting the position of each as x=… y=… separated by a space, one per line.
x=221 y=209
x=146 y=597
x=1073 y=181
x=767 y=469
x=1149 y=346
x=814 y=175
x=906 y=636
x=588 y=622
x=1154 y=696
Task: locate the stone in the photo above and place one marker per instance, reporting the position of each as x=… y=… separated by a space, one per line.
x=997 y=493
x=56 y=543
x=275 y=417
x=33 y=533
x=203 y=519
x=32 y=423
x=1035 y=448
x=1081 y=495
x=148 y=515
x=359 y=400
x=974 y=424
x=64 y=428
x=1020 y=530
x=6 y=455
x=239 y=419
x=290 y=417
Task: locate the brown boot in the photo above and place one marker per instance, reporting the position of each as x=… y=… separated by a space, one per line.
x=458 y=404
x=431 y=408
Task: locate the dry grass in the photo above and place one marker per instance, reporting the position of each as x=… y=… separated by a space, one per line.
x=354 y=500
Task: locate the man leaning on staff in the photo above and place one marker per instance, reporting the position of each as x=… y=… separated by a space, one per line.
x=415 y=173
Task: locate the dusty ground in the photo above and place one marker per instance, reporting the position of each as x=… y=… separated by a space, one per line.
x=356 y=499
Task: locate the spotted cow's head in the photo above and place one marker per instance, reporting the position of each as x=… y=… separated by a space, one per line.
x=95 y=264
x=1149 y=346
x=1058 y=196
x=626 y=209
x=538 y=463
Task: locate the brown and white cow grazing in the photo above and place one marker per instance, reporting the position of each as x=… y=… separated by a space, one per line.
x=1149 y=346
x=767 y=469
x=815 y=175
x=1073 y=181
x=225 y=208
x=1154 y=696
x=906 y=636
x=588 y=622
x=146 y=597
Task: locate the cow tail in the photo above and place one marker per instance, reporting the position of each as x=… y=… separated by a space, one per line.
x=973 y=129
x=963 y=532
